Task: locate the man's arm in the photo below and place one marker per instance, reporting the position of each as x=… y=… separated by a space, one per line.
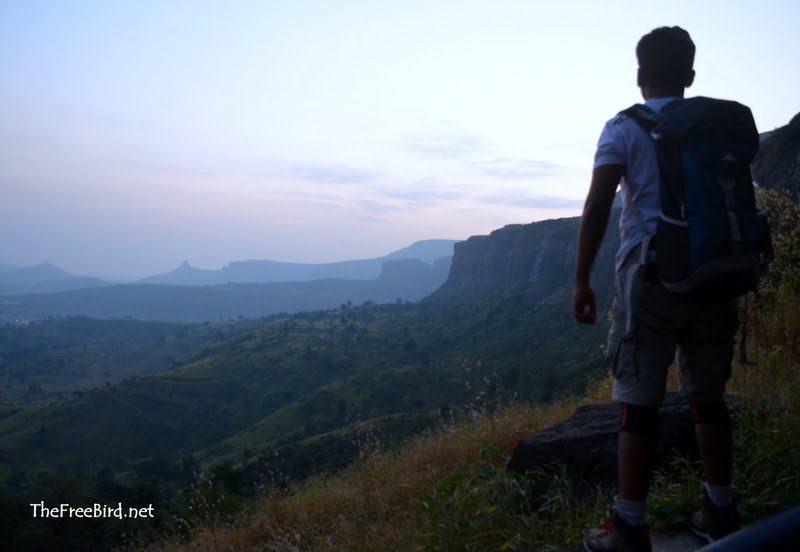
x=594 y=221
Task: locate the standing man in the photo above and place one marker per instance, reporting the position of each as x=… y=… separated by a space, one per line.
x=649 y=323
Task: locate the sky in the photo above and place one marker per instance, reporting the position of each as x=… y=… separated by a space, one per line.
x=137 y=135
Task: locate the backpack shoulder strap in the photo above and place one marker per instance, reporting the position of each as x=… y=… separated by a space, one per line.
x=643 y=116
x=647 y=119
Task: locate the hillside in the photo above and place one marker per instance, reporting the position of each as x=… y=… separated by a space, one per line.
x=54 y=360
x=448 y=489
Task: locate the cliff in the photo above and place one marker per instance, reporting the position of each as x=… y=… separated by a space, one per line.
x=539 y=256
x=777 y=164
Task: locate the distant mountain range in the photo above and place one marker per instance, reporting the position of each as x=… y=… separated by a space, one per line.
x=47 y=278
x=263 y=271
x=405 y=280
x=42 y=278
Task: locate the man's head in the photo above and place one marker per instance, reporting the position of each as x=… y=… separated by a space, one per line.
x=666 y=57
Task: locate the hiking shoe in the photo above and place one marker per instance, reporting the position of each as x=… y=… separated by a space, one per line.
x=712 y=522
x=614 y=535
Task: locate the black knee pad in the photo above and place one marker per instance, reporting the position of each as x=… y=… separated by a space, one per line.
x=710 y=412
x=642 y=420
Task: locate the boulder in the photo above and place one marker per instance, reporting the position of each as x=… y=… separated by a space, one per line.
x=587 y=442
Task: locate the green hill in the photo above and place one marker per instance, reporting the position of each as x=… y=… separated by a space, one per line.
x=52 y=360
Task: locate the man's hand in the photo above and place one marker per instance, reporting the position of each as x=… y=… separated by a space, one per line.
x=583 y=297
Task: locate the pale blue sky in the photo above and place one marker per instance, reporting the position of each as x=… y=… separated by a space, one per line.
x=134 y=135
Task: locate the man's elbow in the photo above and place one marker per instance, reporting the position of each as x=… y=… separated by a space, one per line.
x=605 y=180
x=597 y=206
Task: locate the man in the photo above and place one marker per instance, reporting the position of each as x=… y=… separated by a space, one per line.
x=649 y=323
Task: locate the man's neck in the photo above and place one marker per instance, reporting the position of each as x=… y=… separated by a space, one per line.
x=658 y=93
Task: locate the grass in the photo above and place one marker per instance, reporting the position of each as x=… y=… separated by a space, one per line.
x=390 y=499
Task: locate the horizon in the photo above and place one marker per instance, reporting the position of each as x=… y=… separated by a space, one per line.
x=135 y=137
x=185 y=262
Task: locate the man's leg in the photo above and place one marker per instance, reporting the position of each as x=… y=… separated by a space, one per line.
x=640 y=349
x=639 y=356
x=719 y=515
x=626 y=529
x=704 y=366
x=704 y=363
x=636 y=450
x=636 y=457
x=715 y=443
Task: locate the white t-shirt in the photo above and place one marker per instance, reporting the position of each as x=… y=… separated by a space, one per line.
x=624 y=142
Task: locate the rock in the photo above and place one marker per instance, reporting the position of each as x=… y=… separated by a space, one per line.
x=587 y=442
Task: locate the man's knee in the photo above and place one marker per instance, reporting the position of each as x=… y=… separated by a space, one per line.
x=715 y=412
x=641 y=420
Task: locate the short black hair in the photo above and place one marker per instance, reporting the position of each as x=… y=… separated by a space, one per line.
x=666 y=57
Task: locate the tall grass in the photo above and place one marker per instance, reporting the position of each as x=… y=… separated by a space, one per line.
x=387 y=499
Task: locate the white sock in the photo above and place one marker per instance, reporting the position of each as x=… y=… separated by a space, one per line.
x=632 y=512
x=720 y=496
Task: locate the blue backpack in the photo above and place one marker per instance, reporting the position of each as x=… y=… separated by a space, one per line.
x=711 y=240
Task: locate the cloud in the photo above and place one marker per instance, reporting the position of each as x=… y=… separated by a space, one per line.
x=447 y=146
x=518 y=168
x=152 y=166
x=368 y=219
x=425 y=191
x=378 y=207
x=311 y=195
x=333 y=174
x=531 y=201
x=324 y=205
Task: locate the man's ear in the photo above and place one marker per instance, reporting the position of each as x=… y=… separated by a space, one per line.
x=689 y=78
x=640 y=78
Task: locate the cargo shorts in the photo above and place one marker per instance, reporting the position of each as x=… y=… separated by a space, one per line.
x=651 y=327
